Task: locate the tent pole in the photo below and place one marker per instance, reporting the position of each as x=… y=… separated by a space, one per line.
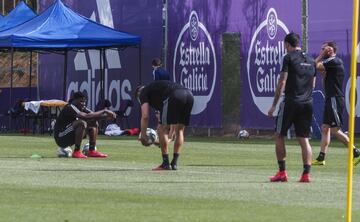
x=30 y=71
x=100 y=61
x=104 y=62
x=65 y=74
x=37 y=76
x=11 y=85
x=140 y=79
x=101 y=76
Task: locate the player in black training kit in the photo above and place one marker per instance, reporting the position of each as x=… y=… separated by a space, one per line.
x=75 y=121
x=175 y=103
x=298 y=77
x=332 y=70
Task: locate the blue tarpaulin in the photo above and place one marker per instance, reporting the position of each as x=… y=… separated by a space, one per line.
x=20 y=14
x=59 y=27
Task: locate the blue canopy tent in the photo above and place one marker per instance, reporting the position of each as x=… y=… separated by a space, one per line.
x=20 y=14
x=59 y=29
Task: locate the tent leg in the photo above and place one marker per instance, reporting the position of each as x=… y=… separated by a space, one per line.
x=11 y=86
x=102 y=78
x=65 y=74
x=30 y=71
x=140 y=79
x=103 y=73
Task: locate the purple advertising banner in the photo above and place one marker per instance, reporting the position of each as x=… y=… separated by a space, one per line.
x=264 y=25
x=195 y=29
x=321 y=28
x=122 y=67
x=195 y=35
x=194 y=52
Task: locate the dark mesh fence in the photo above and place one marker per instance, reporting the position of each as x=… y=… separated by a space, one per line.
x=231 y=89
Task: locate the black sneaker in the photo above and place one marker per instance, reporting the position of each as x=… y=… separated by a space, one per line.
x=161 y=167
x=173 y=166
x=356 y=152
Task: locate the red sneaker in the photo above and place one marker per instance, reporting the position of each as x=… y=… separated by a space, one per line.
x=161 y=167
x=280 y=176
x=78 y=154
x=95 y=153
x=305 y=178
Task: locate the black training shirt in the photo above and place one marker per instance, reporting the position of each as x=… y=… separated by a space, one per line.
x=301 y=71
x=158 y=91
x=67 y=115
x=335 y=73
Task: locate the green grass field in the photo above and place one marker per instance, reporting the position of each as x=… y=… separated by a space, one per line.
x=218 y=180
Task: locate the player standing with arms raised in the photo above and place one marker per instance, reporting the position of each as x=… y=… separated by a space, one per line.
x=332 y=70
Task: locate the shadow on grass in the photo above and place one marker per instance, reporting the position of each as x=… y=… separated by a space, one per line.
x=224 y=165
x=22 y=157
x=89 y=170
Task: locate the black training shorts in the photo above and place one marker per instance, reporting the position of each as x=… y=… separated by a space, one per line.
x=299 y=114
x=65 y=137
x=333 y=110
x=177 y=108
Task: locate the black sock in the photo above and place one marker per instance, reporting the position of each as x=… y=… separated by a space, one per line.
x=306 y=168
x=92 y=145
x=175 y=158
x=281 y=164
x=165 y=158
x=77 y=147
x=321 y=156
x=356 y=152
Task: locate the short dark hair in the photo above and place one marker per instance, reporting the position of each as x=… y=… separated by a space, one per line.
x=293 y=39
x=332 y=44
x=79 y=95
x=156 y=62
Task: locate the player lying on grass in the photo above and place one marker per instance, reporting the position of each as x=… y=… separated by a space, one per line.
x=75 y=121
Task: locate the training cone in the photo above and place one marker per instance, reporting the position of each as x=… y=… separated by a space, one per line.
x=35 y=156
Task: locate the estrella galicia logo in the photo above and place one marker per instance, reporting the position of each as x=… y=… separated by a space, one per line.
x=264 y=60
x=194 y=26
x=194 y=64
x=271 y=26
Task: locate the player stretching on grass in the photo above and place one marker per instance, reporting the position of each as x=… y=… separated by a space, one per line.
x=174 y=103
x=332 y=70
x=297 y=76
x=75 y=121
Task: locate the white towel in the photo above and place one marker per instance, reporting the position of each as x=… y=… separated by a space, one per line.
x=33 y=105
x=113 y=130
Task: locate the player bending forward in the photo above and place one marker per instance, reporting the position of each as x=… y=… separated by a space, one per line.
x=174 y=103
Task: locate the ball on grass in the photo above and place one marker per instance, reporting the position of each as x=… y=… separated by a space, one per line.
x=64 y=152
x=243 y=134
x=151 y=136
x=85 y=149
